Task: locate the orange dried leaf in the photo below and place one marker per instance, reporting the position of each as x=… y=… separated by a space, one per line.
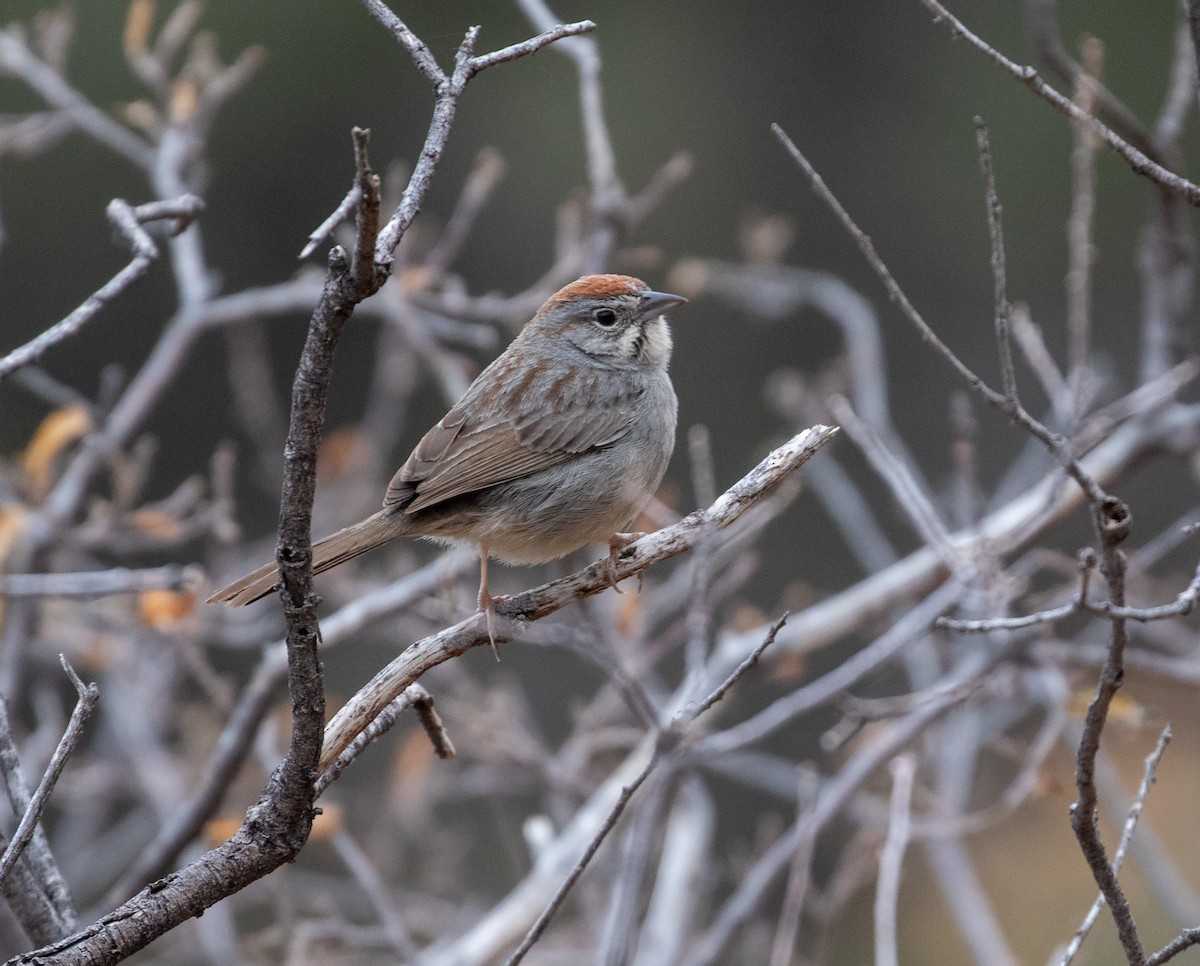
x=12 y=521
x=141 y=114
x=160 y=609
x=1123 y=708
x=155 y=523
x=788 y=666
x=184 y=97
x=55 y=433
x=414 y=278
x=629 y=608
x=330 y=820
x=137 y=28
x=414 y=756
x=342 y=451
x=747 y=618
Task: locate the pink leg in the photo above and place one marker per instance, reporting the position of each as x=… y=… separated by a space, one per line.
x=487 y=603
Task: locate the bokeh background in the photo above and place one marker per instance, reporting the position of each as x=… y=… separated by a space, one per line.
x=879 y=97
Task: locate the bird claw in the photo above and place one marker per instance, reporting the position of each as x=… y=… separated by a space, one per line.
x=616 y=543
x=487 y=605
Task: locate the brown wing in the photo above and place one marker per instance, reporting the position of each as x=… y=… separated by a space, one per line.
x=506 y=427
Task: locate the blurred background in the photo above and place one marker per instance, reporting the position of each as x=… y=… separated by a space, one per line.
x=879 y=97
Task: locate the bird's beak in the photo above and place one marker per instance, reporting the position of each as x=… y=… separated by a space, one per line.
x=655 y=304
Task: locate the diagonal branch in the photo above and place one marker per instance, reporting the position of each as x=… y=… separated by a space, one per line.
x=88 y=695
x=541 y=601
x=128 y=221
x=1012 y=408
x=448 y=89
x=1136 y=159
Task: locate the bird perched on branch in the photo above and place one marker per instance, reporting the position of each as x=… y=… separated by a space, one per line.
x=558 y=443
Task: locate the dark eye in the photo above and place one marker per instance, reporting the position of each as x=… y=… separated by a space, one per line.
x=605 y=317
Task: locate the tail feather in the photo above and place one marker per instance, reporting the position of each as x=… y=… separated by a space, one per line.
x=335 y=549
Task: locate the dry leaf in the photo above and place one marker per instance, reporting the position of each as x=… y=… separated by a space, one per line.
x=55 y=433
x=184 y=96
x=329 y=820
x=342 y=452
x=414 y=278
x=12 y=521
x=156 y=524
x=137 y=28
x=411 y=764
x=629 y=608
x=1123 y=709
x=160 y=609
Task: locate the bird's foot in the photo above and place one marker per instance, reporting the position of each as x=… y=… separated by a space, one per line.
x=487 y=605
x=616 y=543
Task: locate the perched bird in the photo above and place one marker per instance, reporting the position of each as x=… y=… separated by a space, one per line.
x=558 y=443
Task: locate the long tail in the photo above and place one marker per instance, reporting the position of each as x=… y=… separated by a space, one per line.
x=335 y=549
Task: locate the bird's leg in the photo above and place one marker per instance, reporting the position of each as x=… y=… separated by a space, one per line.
x=487 y=603
x=616 y=543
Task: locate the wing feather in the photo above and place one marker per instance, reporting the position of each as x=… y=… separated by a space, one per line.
x=557 y=414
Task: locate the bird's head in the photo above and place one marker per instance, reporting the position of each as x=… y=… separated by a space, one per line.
x=616 y=318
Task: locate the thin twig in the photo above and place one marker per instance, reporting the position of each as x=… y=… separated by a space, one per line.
x=1185 y=940
x=526 y=47
x=1137 y=161
x=1008 y=378
x=339 y=214
x=1113 y=524
x=666 y=747
x=17 y=58
x=537 y=603
x=891 y=860
x=99 y=583
x=415 y=697
x=1183 y=604
x=128 y=221
x=89 y=694
x=1131 y=820
x=1080 y=249
x=916 y=504
x=610 y=821
x=799 y=880
x=1014 y=410
x=608 y=198
x=751 y=659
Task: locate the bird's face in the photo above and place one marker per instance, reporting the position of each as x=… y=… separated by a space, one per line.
x=614 y=318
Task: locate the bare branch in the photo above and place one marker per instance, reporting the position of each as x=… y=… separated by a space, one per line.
x=530 y=46
x=891 y=860
x=89 y=694
x=1137 y=160
x=610 y=821
x=1131 y=820
x=414 y=696
x=16 y=58
x=100 y=583
x=1080 y=251
x=128 y=222
x=339 y=214
x=1008 y=378
x=548 y=598
x=1014 y=410
x=414 y=45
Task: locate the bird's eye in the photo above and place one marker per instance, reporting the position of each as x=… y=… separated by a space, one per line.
x=605 y=317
